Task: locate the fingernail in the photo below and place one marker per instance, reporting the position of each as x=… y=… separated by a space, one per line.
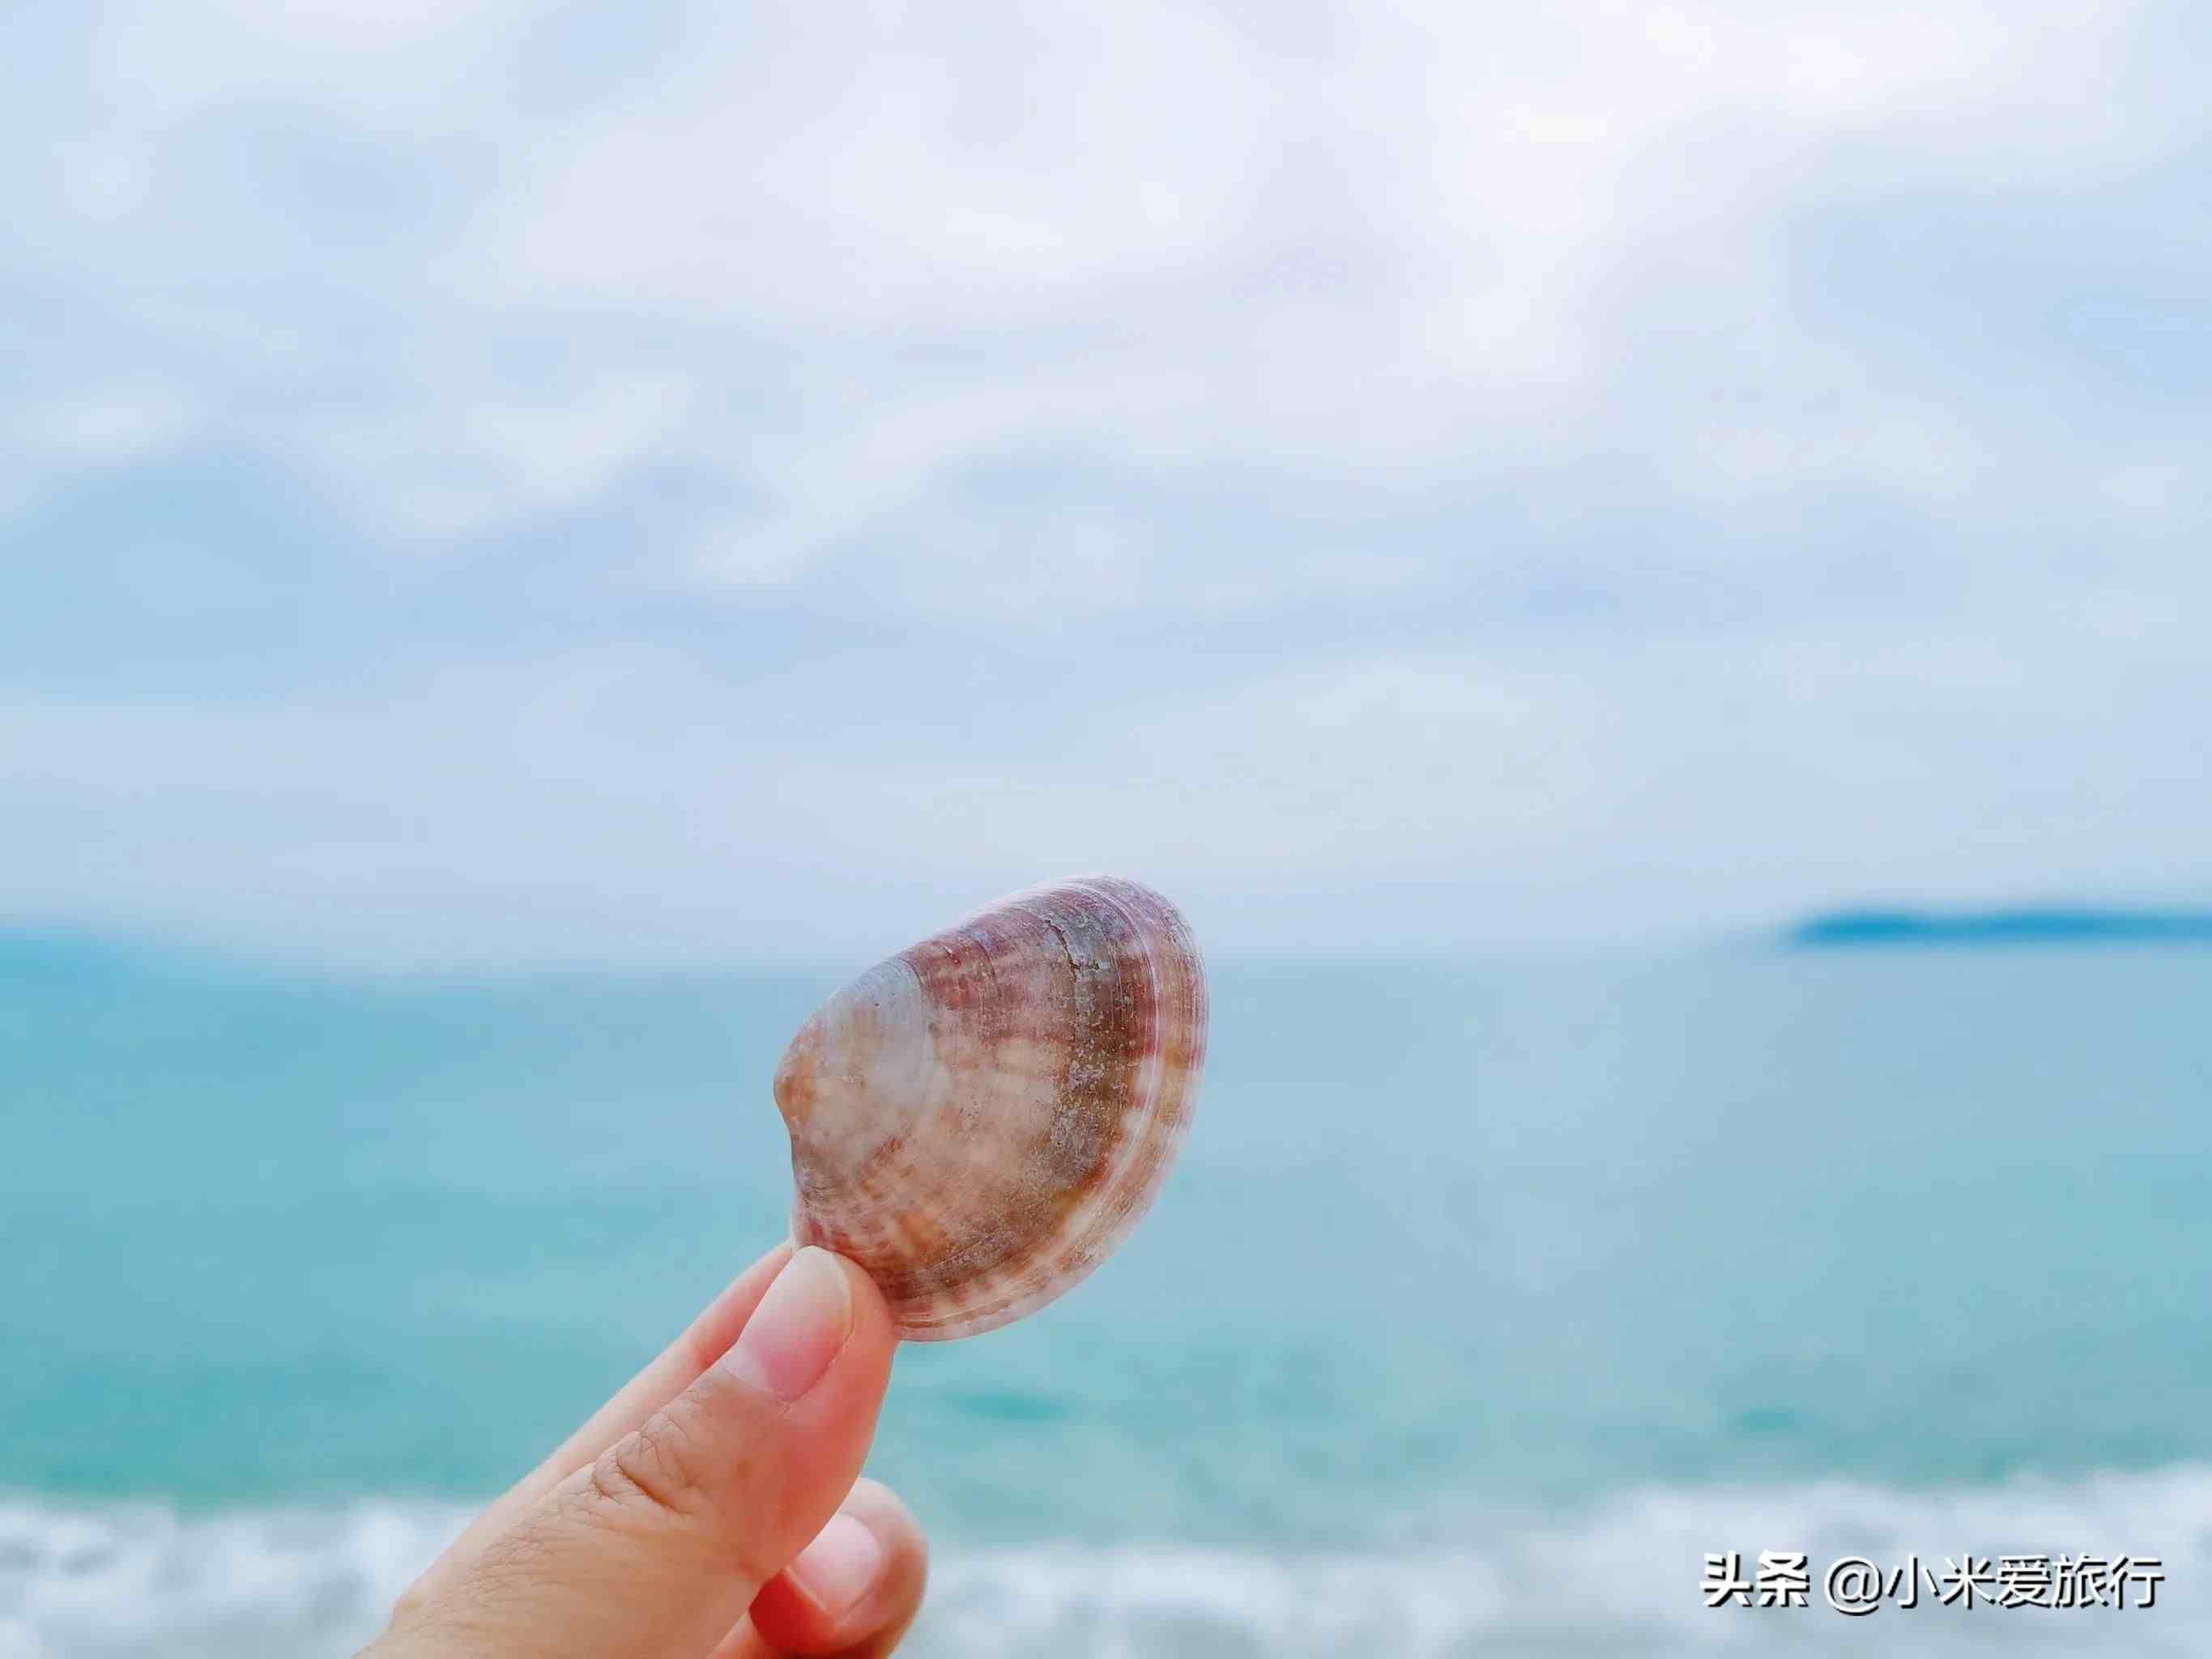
x=840 y=1566
x=797 y=1329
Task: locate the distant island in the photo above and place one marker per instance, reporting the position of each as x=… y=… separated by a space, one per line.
x=2036 y=926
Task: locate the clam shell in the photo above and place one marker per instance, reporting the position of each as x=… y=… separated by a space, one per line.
x=979 y=1120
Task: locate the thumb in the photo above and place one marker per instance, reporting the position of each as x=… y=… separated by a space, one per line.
x=659 y=1544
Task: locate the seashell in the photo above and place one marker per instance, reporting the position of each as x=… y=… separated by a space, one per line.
x=979 y=1120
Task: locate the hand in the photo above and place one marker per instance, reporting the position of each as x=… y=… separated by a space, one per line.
x=676 y=1524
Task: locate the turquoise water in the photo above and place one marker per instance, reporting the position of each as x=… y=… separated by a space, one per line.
x=1459 y=1254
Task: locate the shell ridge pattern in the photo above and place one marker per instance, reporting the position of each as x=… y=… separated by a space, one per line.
x=1029 y=1084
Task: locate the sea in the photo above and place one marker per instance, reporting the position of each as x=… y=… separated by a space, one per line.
x=1491 y=1300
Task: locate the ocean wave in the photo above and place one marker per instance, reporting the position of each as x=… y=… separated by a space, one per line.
x=139 y=1579
x=1620 y=1577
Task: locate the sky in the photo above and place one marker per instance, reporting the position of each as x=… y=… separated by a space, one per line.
x=491 y=483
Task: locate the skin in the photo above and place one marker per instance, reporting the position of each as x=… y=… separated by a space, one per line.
x=711 y=1510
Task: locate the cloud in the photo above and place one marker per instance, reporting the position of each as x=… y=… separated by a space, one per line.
x=623 y=806
x=535 y=796
x=851 y=256
x=487 y=461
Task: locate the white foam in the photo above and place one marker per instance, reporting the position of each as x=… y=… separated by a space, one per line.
x=1620 y=1578
x=93 y=1583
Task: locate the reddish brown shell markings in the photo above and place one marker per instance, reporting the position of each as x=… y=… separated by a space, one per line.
x=979 y=1120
